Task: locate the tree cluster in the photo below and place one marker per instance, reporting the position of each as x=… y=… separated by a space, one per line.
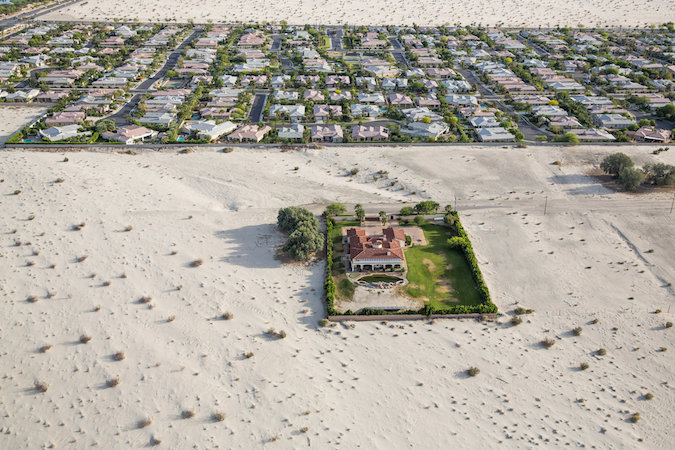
x=302 y=227
x=622 y=167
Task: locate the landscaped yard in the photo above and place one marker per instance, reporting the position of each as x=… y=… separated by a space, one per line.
x=438 y=273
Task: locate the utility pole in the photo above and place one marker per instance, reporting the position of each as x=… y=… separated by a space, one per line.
x=545 y=205
x=672 y=203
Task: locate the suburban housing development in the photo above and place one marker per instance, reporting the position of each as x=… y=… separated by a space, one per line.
x=177 y=83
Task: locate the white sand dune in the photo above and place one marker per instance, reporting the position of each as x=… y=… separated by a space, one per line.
x=398 y=385
x=546 y=13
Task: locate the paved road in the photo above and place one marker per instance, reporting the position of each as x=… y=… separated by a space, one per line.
x=257 y=108
x=335 y=33
x=120 y=116
x=34 y=13
x=398 y=52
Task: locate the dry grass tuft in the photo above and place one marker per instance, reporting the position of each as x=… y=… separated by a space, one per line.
x=248 y=355
x=548 y=342
x=472 y=371
x=128 y=228
x=144 y=422
x=111 y=383
x=79 y=226
x=85 y=338
x=145 y=299
x=196 y=263
x=171 y=318
x=602 y=352
x=119 y=356
x=81 y=258
x=45 y=348
x=227 y=316
x=41 y=386
x=32 y=299
x=188 y=414
x=577 y=331
x=218 y=416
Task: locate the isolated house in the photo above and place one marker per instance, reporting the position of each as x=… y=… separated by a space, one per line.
x=295 y=131
x=375 y=252
x=651 y=134
x=54 y=134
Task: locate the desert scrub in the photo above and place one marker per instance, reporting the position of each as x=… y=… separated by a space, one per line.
x=81 y=258
x=635 y=418
x=324 y=322
x=583 y=366
x=548 y=342
x=119 y=356
x=45 y=348
x=32 y=299
x=218 y=416
x=227 y=316
x=669 y=325
x=143 y=423
x=276 y=334
x=188 y=414
x=111 y=383
x=472 y=371
x=577 y=331
x=602 y=352
x=41 y=386
x=649 y=396
x=248 y=355
x=145 y=299
x=85 y=338
x=196 y=263
x=520 y=311
x=516 y=320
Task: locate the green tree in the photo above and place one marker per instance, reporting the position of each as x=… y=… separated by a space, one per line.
x=360 y=212
x=631 y=178
x=407 y=211
x=660 y=174
x=304 y=241
x=335 y=209
x=571 y=138
x=105 y=125
x=383 y=217
x=427 y=207
x=612 y=164
x=419 y=220
x=288 y=219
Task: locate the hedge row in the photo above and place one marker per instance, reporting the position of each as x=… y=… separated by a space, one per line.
x=329 y=284
x=462 y=242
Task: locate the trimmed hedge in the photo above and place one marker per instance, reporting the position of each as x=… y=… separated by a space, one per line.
x=460 y=242
x=329 y=284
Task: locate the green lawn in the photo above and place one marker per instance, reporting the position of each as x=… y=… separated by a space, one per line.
x=438 y=273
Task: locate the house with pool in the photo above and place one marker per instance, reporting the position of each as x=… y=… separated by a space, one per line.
x=375 y=252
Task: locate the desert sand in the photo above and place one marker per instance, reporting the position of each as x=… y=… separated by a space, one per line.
x=142 y=220
x=521 y=13
x=13 y=118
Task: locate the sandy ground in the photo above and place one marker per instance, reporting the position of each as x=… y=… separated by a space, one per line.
x=369 y=386
x=546 y=13
x=13 y=118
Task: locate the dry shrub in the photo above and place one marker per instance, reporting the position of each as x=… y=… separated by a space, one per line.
x=111 y=383
x=188 y=414
x=548 y=342
x=218 y=416
x=196 y=263
x=85 y=338
x=45 y=348
x=119 y=356
x=143 y=423
x=473 y=371
x=41 y=386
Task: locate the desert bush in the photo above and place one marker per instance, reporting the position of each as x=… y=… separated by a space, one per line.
x=631 y=178
x=304 y=430
x=196 y=263
x=335 y=209
x=516 y=320
x=248 y=355
x=548 y=342
x=663 y=349
x=473 y=371
x=649 y=396
x=602 y=352
x=17 y=192
x=32 y=299
x=669 y=324
x=119 y=356
x=354 y=171
x=59 y=180
x=85 y=338
x=227 y=316
x=143 y=423
x=277 y=334
x=171 y=318
x=228 y=150
x=324 y=322
x=635 y=418
x=45 y=348
x=658 y=311
x=218 y=416
x=79 y=226
x=81 y=258
x=614 y=163
x=128 y=228
x=577 y=331
x=595 y=321
x=188 y=414
x=111 y=383
x=41 y=386
x=583 y=366
x=145 y=299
